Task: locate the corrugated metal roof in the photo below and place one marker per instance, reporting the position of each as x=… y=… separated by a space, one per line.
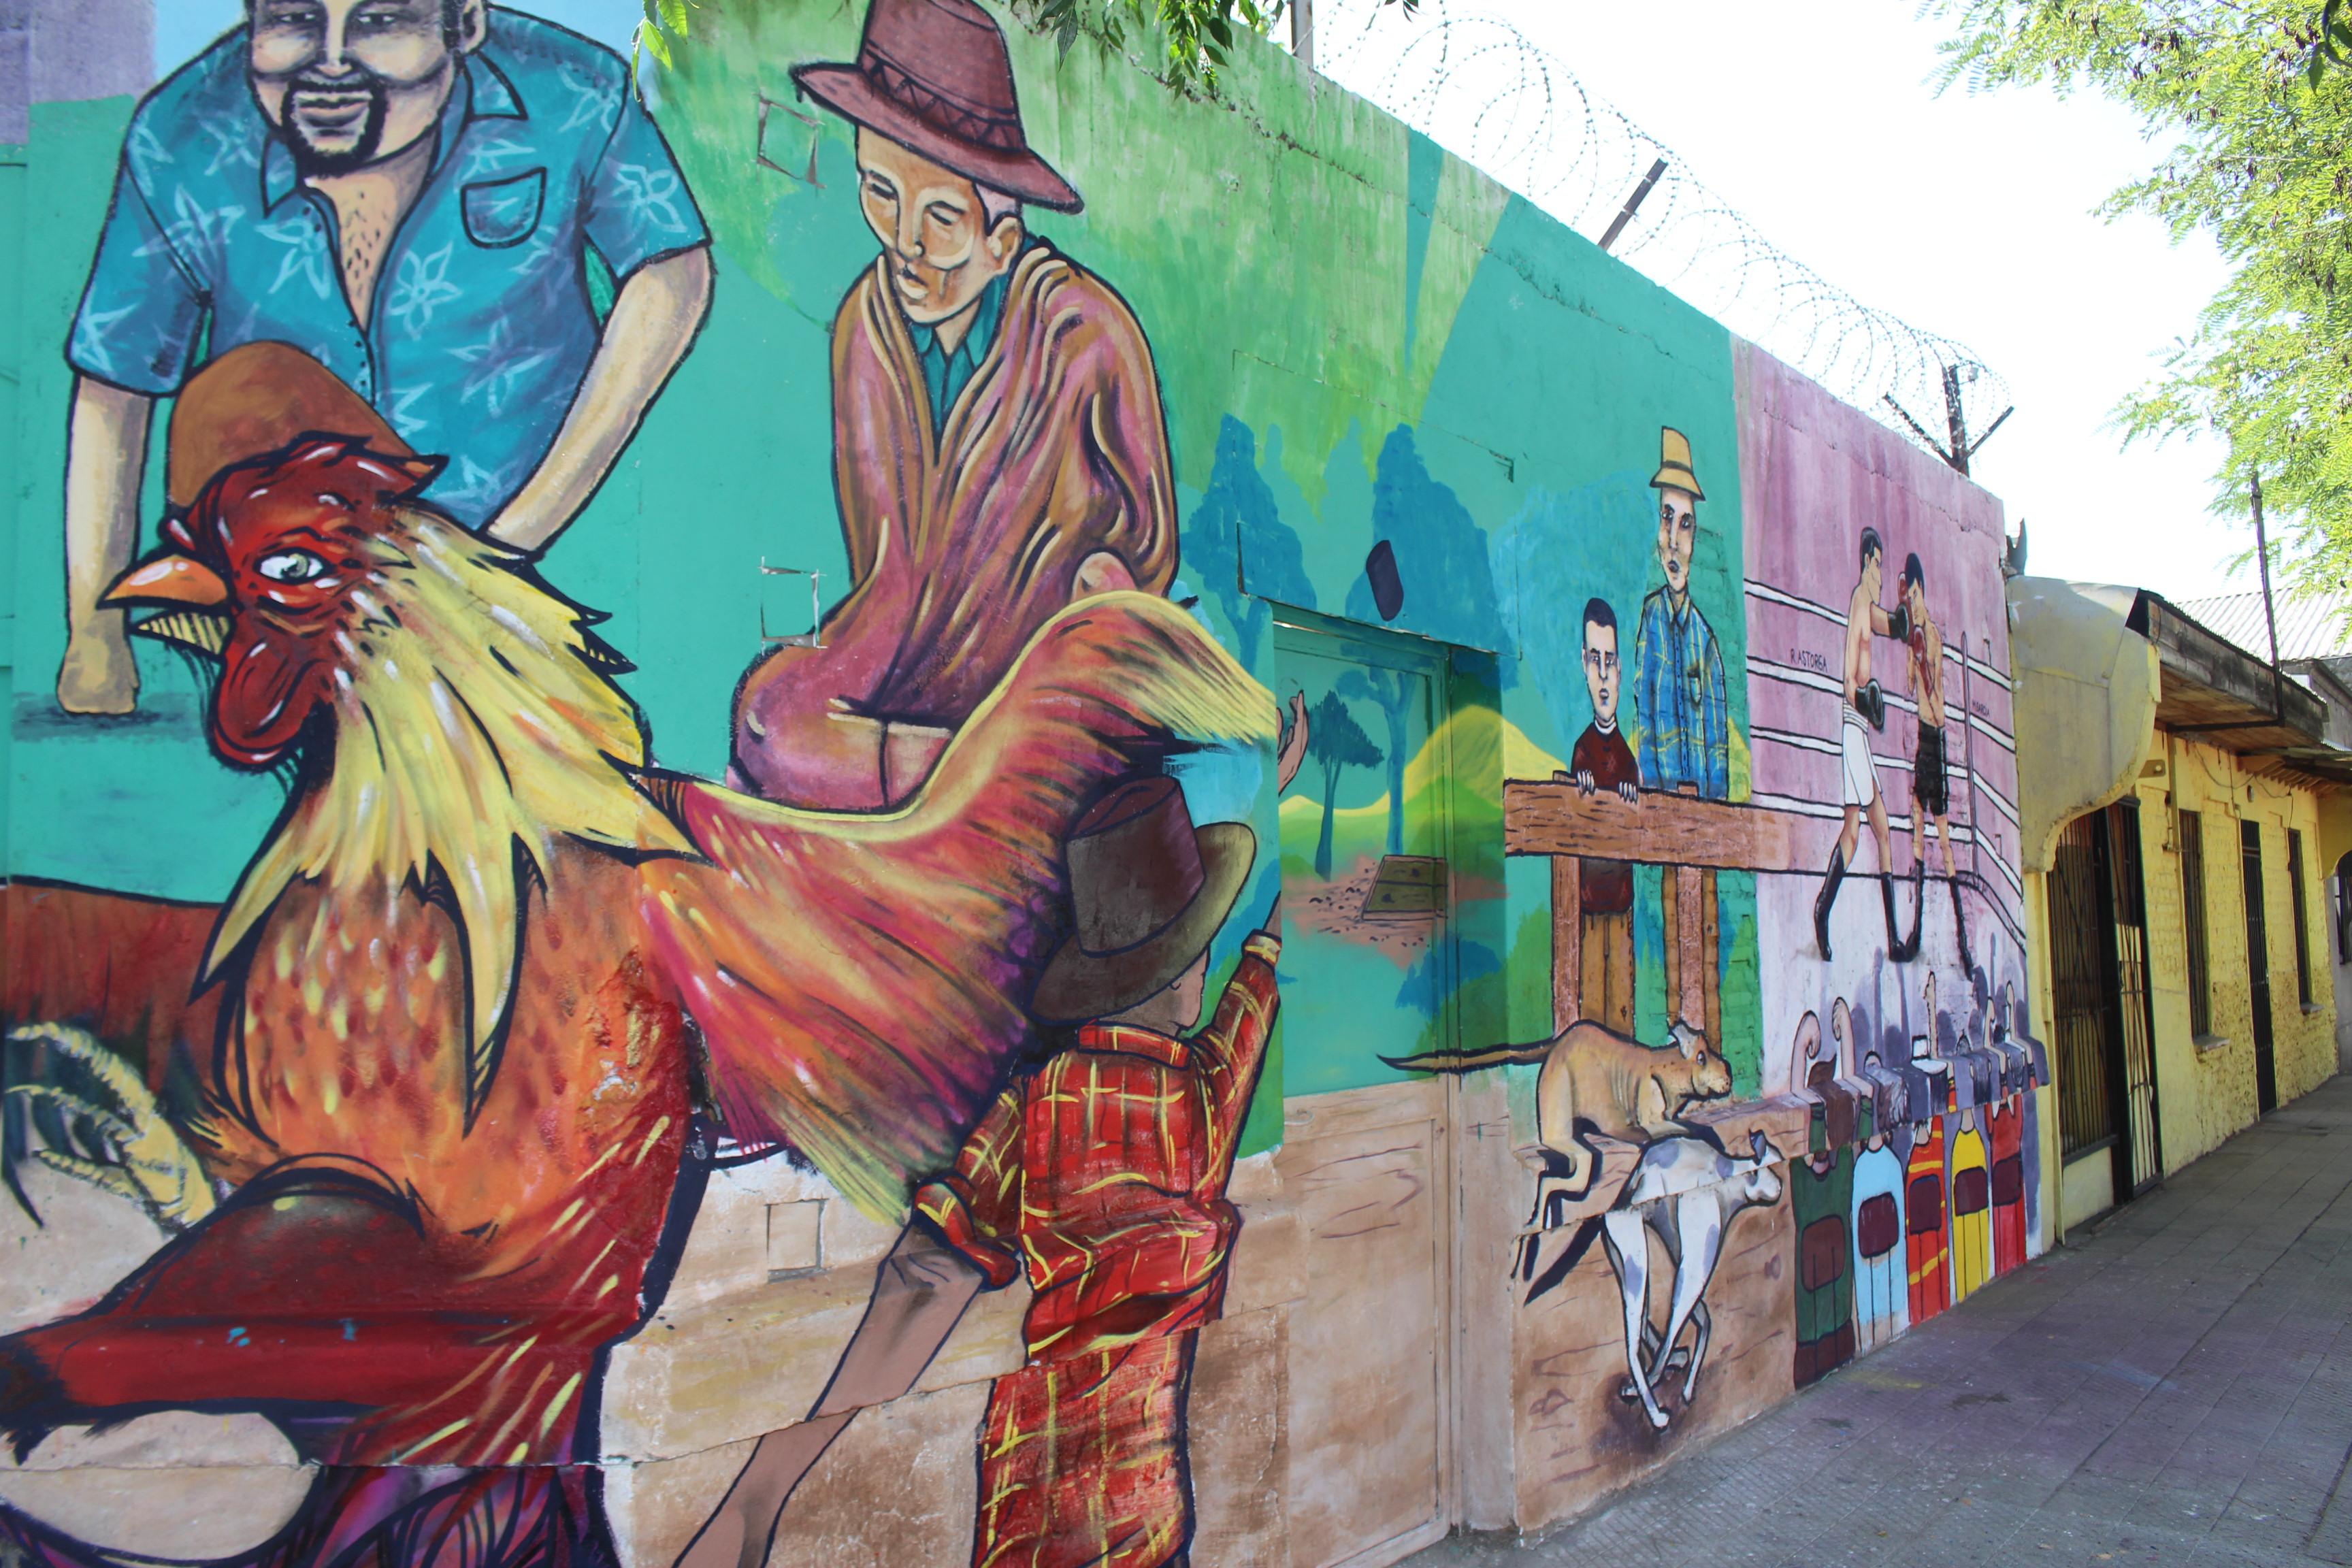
x=2307 y=627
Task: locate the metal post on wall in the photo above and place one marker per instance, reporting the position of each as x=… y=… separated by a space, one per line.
x=2270 y=615
x=1302 y=31
x=1633 y=204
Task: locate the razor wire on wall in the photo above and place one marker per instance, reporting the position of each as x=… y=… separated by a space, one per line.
x=1477 y=86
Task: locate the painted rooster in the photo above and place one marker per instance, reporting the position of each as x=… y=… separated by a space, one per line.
x=456 y=1001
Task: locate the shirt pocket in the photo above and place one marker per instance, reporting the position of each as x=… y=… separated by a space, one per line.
x=500 y=213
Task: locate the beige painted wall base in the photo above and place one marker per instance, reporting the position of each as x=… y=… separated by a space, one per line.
x=2086 y=1189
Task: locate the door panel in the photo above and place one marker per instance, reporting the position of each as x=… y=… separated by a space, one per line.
x=2258 y=963
x=1366 y=973
x=1368 y=1372
x=2140 y=1158
x=1363 y=867
x=2087 y=1100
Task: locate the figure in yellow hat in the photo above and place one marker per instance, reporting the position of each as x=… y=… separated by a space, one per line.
x=1685 y=716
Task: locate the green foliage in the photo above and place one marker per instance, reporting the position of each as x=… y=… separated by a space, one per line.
x=2256 y=130
x=1199 y=34
x=649 y=38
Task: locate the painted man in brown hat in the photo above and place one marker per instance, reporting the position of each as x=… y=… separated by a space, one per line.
x=999 y=447
x=1100 y=1175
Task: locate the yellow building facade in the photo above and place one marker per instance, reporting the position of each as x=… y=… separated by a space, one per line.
x=2182 y=804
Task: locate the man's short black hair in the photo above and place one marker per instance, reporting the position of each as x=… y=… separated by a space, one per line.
x=1915 y=575
x=1872 y=545
x=1597 y=613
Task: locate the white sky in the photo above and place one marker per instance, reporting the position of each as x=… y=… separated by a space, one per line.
x=1967 y=216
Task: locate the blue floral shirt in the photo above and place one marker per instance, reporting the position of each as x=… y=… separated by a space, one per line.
x=482 y=327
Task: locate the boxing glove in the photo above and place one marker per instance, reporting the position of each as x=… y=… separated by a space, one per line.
x=1871 y=703
x=1898 y=622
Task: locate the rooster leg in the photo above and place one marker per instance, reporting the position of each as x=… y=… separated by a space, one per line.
x=317 y=1294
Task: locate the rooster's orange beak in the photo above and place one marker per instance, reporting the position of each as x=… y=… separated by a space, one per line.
x=169 y=579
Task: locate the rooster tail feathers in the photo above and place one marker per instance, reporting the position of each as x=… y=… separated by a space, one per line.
x=861 y=980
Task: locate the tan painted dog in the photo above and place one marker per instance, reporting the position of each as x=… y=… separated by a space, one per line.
x=1596 y=1082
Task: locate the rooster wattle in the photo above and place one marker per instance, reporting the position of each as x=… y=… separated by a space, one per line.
x=462 y=986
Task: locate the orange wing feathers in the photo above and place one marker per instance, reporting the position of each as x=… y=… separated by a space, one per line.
x=859 y=980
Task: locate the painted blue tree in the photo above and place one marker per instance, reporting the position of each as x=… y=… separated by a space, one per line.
x=1237 y=549
x=1335 y=742
x=1449 y=591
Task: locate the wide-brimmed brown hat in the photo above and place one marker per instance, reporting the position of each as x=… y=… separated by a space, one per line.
x=258 y=398
x=934 y=75
x=1148 y=889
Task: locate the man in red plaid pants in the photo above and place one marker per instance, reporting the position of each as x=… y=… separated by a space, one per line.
x=1102 y=1177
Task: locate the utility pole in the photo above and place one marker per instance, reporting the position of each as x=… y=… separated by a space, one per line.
x=1302 y=31
x=2270 y=616
x=1963 y=448
x=1633 y=204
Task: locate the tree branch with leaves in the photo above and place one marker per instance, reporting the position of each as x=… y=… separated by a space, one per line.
x=1199 y=35
x=2256 y=127
x=650 y=37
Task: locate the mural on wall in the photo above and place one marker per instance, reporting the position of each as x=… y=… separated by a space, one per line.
x=1595 y=1088
x=498 y=991
x=422 y=197
x=450 y=1102
x=1636 y=1153
x=444 y=1124
x=1917 y=1141
x=1888 y=706
x=998 y=440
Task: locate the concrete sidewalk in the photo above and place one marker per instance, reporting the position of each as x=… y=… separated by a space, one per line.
x=2176 y=1387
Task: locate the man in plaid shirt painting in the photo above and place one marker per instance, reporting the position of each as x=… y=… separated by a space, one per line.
x=1684 y=715
x=1102 y=1177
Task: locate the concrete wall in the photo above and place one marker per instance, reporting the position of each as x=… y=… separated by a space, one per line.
x=1360 y=429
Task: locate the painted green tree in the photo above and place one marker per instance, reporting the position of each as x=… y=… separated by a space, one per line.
x=2256 y=125
x=1336 y=743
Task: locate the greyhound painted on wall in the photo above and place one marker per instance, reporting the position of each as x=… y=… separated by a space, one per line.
x=1687 y=1191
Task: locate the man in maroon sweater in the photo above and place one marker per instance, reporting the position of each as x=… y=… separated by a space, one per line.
x=999 y=447
x=1603 y=762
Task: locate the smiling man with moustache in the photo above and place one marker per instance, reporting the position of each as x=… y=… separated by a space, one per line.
x=409 y=191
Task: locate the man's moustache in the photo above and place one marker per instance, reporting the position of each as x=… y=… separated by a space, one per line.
x=359 y=84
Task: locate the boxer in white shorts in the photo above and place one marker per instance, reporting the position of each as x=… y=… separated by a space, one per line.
x=1865 y=710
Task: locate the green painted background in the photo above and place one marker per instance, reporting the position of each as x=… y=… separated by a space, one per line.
x=1314 y=279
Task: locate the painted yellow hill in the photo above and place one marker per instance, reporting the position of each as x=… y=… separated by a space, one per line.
x=1482 y=744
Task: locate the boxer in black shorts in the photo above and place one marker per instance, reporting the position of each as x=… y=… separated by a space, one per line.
x=1930 y=785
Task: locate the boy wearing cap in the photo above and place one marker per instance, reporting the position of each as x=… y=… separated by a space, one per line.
x=1603 y=762
x=1102 y=1177
x=999 y=445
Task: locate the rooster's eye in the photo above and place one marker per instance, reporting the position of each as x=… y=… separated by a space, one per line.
x=290 y=566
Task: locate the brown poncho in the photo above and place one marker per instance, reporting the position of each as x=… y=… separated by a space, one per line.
x=961 y=545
